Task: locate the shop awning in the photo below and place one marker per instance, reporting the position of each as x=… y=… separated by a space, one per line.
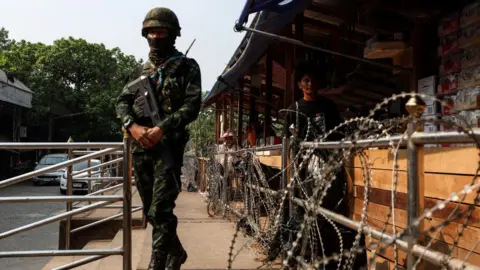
x=14 y=91
x=273 y=17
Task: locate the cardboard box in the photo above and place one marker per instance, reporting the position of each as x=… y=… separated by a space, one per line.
x=448 y=45
x=449 y=107
x=451 y=64
x=469 y=36
x=426 y=86
x=470 y=14
x=469 y=78
x=471 y=57
x=448 y=84
x=431 y=110
x=449 y=25
x=468 y=99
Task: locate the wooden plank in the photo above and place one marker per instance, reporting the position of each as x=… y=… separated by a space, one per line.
x=384 y=197
x=438 y=186
x=272 y=161
x=439 y=246
x=452 y=160
x=381 y=263
x=449 y=233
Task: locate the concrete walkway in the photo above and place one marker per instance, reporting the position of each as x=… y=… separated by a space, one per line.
x=207 y=240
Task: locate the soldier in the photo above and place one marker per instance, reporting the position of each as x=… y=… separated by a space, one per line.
x=179 y=97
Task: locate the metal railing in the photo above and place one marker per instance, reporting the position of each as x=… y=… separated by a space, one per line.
x=95 y=199
x=414 y=141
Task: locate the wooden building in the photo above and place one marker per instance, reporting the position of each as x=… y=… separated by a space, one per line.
x=370 y=50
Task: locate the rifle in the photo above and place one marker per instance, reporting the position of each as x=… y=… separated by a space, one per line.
x=145 y=85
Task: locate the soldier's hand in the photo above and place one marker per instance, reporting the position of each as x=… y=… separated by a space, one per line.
x=140 y=134
x=155 y=134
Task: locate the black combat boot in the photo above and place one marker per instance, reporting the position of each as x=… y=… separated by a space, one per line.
x=174 y=261
x=158 y=260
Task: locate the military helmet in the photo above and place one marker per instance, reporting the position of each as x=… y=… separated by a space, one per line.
x=161 y=17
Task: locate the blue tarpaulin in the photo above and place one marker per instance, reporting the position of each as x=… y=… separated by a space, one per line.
x=273 y=17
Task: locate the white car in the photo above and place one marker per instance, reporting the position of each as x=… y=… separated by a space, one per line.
x=46 y=161
x=81 y=185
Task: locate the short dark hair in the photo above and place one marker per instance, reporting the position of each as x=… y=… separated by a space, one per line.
x=309 y=68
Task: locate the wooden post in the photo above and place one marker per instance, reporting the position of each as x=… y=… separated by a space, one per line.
x=299 y=52
x=224 y=115
x=231 y=114
x=240 y=116
x=268 y=95
x=217 y=121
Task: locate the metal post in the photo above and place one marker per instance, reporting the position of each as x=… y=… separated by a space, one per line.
x=285 y=153
x=415 y=184
x=225 y=177
x=89 y=163
x=127 y=202
x=68 y=221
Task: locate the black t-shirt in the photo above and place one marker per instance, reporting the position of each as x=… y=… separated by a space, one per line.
x=323 y=115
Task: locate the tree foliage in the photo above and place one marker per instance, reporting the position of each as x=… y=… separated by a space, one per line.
x=202 y=131
x=84 y=77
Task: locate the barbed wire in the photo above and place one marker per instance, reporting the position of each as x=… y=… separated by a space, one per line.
x=249 y=193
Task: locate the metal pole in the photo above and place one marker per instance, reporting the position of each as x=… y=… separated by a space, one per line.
x=62 y=165
x=285 y=153
x=68 y=221
x=127 y=202
x=225 y=178
x=89 y=163
x=99 y=166
x=58 y=145
x=52 y=219
x=50 y=253
x=415 y=180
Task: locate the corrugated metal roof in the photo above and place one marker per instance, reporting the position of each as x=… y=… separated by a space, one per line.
x=14 y=91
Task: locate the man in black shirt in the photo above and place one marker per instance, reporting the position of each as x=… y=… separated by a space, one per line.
x=323 y=116
x=321 y=111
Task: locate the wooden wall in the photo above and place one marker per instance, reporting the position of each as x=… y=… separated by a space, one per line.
x=447 y=170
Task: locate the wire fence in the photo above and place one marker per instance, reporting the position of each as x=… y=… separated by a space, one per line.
x=309 y=220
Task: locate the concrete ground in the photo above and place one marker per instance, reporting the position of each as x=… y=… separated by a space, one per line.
x=207 y=240
x=14 y=215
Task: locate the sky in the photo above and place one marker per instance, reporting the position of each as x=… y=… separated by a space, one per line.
x=118 y=24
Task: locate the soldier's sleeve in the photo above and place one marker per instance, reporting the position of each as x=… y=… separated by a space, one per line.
x=125 y=99
x=192 y=101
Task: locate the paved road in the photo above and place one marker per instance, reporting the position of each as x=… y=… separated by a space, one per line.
x=15 y=215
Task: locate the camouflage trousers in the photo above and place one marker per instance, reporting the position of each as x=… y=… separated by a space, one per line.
x=158 y=189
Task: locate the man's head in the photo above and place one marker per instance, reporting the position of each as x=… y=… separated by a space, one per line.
x=161 y=28
x=228 y=138
x=308 y=78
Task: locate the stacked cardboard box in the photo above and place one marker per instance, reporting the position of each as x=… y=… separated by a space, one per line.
x=459 y=71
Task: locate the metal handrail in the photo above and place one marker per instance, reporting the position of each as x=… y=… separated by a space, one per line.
x=32 y=199
x=100 y=201
x=58 y=145
x=98 y=166
x=49 y=253
x=418 y=138
x=83 y=152
x=103 y=220
x=53 y=219
x=26 y=176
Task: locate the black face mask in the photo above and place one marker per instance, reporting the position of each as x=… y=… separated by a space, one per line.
x=160 y=49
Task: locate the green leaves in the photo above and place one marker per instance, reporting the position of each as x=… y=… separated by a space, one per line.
x=83 y=77
x=202 y=131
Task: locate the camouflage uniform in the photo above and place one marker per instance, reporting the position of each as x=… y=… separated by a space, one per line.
x=180 y=98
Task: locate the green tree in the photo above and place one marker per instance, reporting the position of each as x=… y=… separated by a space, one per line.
x=202 y=131
x=84 y=77
x=4 y=39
